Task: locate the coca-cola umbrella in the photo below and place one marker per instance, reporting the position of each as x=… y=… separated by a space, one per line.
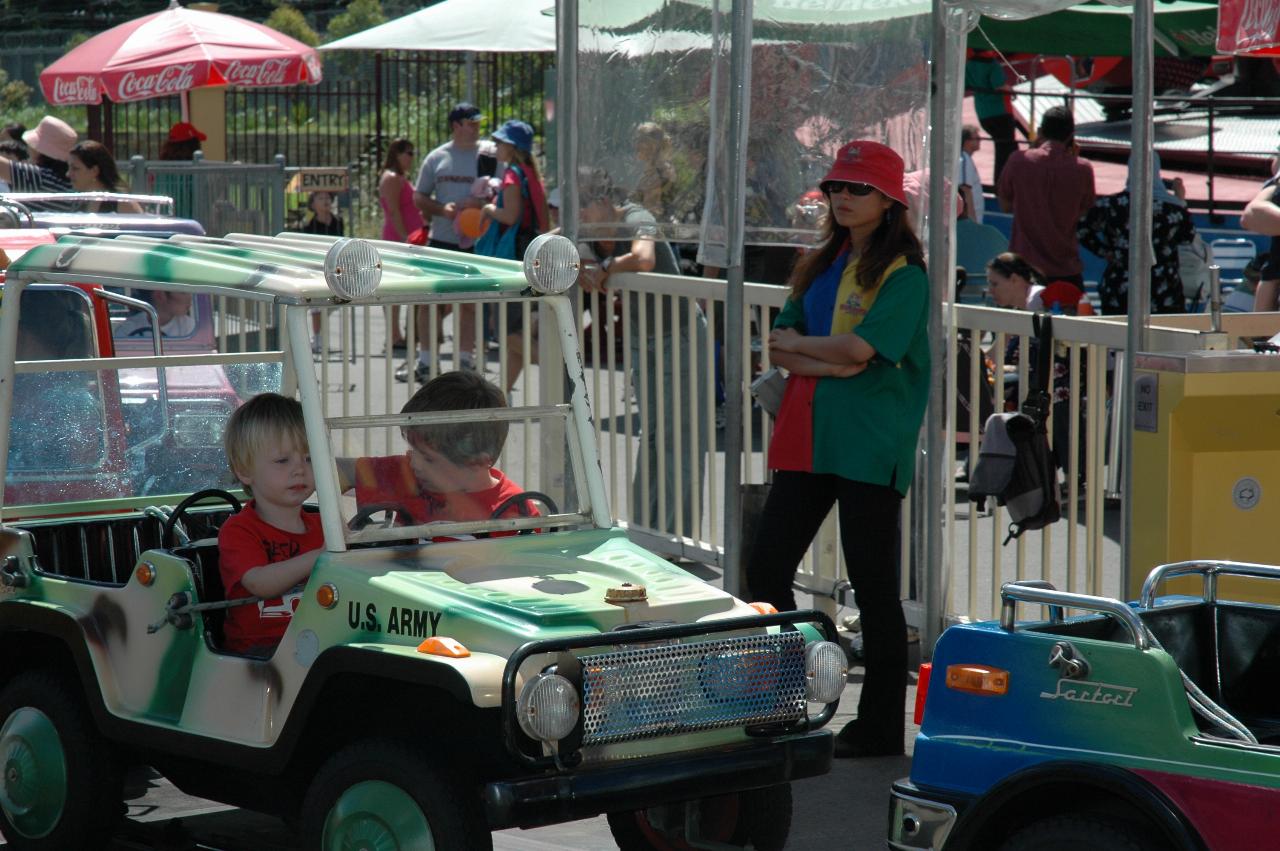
x=174 y=51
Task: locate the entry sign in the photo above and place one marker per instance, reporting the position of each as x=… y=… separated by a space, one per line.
x=319 y=180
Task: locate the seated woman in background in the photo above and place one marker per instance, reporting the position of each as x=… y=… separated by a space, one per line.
x=92 y=168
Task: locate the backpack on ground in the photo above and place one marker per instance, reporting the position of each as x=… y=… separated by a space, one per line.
x=1015 y=464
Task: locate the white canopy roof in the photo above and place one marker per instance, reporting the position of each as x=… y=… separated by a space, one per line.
x=493 y=26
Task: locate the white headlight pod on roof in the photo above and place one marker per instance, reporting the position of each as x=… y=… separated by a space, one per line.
x=551 y=264
x=352 y=268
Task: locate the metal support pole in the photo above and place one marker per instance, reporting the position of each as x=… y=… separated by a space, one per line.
x=735 y=221
x=1141 y=256
x=1208 y=168
x=566 y=117
x=944 y=151
x=378 y=100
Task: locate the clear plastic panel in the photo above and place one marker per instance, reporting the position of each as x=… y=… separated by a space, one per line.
x=475 y=470
x=85 y=435
x=654 y=82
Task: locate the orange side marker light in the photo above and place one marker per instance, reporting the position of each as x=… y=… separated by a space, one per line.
x=978 y=679
x=145 y=573
x=327 y=595
x=443 y=646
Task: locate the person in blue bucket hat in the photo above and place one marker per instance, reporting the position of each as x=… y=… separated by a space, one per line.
x=517 y=215
x=517 y=134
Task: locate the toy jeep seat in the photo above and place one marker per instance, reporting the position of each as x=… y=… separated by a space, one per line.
x=1230 y=650
x=95 y=549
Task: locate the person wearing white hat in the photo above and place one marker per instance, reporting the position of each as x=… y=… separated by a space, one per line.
x=51 y=142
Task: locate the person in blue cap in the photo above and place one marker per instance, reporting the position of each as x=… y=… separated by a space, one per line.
x=443 y=190
x=522 y=204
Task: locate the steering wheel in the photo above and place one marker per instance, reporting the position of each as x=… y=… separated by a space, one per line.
x=397 y=515
x=518 y=500
x=166 y=535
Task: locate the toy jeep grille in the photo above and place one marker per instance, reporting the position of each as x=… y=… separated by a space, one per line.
x=680 y=688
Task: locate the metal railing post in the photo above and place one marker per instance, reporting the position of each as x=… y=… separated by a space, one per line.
x=138 y=173
x=278 y=181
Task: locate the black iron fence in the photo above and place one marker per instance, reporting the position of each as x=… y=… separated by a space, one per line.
x=364 y=102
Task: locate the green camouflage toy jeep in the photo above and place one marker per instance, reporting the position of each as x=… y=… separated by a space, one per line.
x=438 y=680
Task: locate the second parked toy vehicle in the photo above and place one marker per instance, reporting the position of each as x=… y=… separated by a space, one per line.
x=1152 y=726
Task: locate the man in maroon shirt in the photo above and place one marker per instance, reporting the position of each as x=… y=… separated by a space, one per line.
x=1048 y=188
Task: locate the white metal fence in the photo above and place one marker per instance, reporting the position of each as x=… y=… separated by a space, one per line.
x=653 y=350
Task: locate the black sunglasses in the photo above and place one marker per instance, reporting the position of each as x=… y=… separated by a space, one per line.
x=832 y=187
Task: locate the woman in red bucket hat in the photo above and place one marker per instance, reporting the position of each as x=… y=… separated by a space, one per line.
x=183 y=142
x=853 y=336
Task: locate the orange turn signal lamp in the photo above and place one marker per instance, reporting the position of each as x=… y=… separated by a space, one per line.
x=764 y=608
x=145 y=573
x=327 y=595
x=440 y=645
x=978 y=679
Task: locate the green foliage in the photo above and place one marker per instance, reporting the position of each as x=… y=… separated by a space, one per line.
x=360 y=16
x=15 y=95
x=76 y=39
x=291 y=22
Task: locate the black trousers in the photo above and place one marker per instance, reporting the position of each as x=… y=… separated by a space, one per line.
x=1001 y=130
x=869 y=521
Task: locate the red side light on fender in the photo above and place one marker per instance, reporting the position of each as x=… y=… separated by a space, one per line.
x=922 y=691
x=978 y=679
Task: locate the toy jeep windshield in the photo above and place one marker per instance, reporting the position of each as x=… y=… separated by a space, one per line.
x=440 y=677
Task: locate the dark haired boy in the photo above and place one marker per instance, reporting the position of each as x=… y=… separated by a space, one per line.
x=448 y=474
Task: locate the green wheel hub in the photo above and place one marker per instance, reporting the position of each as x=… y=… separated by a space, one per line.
x=33 y=788
x=376 y=816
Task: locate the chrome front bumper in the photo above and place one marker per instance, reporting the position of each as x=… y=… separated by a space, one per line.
x=918 y=824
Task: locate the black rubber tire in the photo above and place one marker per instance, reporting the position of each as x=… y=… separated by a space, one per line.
x=1072 y=833
x=94 y=779
x=455 y=816
x=633 y=830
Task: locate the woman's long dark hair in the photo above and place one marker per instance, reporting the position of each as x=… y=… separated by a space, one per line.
x=892 y=239
x=96 y=155
x=394 y=150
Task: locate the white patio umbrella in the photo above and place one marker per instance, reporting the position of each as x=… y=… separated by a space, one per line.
x=483 y=26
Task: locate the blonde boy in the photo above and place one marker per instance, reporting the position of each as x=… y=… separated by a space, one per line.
x=272 y=544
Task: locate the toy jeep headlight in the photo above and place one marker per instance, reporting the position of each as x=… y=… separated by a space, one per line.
x=352 y=269
x=547 y=707
x=551 y=264
x=825 y=671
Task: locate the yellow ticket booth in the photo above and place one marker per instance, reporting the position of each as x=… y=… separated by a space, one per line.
x=1206 y=466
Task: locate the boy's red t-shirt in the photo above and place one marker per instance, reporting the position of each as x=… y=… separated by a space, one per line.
x=247 y=541
x=390 y=480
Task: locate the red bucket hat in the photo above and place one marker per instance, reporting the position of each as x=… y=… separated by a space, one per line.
x=870 y=162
